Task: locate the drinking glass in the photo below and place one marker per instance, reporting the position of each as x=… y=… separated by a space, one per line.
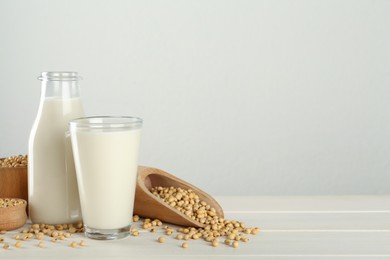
x=105 y=150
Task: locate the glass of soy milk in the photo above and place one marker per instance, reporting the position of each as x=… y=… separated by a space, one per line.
x=105 y=152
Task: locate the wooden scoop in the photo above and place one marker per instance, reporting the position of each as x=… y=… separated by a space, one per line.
x=149 y=206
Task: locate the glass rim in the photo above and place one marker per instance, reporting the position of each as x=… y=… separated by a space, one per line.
x=106 y=122
x=59 y=76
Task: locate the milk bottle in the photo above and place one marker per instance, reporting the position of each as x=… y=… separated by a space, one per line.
x=52 y=185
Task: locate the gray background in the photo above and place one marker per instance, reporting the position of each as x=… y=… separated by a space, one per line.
x=238 y=97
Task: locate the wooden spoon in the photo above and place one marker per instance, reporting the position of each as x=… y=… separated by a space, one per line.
x=148 y=205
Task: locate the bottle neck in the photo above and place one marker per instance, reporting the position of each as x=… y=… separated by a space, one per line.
x=59 y=84
x=60 y=89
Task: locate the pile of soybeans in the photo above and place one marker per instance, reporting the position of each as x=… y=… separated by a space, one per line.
x=14 y=161
x=8 y=203
x=215 y=228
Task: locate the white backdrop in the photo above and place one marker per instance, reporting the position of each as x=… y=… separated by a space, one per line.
x=238 y=97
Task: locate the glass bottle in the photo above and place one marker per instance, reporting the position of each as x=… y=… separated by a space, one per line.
x=52 y=184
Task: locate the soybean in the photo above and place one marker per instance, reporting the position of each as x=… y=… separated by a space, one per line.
x=161 y=239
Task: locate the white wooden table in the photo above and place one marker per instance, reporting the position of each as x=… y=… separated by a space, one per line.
x=348 y=227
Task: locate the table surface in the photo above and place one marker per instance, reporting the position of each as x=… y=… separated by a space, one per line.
x=316 y=227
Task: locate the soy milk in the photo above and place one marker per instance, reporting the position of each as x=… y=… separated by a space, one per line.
x=106 y=183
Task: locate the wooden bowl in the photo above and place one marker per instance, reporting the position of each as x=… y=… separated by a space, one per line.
x=13 y=182
x=13 y=217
